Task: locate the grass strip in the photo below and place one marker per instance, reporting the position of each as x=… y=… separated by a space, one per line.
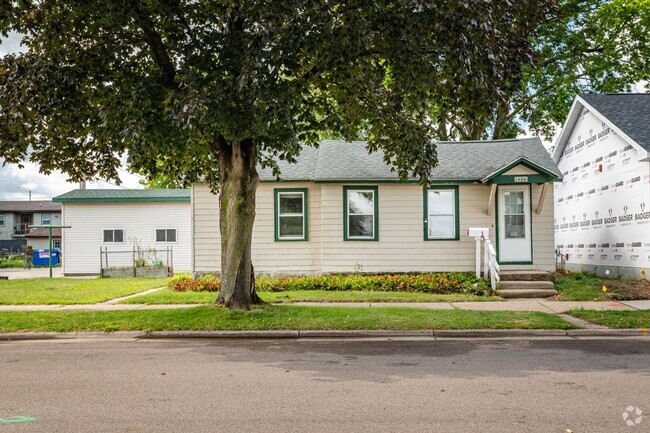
x=67 y=291
x=167 y=296
x=269 y=317
x=615 y=319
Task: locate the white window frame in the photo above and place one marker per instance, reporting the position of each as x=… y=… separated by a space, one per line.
x=113 y=241
x=155 y=235
x=55 y=242
x=43 y=219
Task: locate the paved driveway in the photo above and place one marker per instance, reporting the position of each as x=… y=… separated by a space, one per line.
x=14 y=274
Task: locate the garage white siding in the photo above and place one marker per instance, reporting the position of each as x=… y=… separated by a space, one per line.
x=139 y=220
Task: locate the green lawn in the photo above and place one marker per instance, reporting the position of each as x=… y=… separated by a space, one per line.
x=167 y=296
x=580 y=287
x=71 y=291
x=615 y=319
x=271 y=317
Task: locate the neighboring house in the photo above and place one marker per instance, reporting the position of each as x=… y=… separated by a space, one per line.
x=121 y=219
x=39 y=238
x=16 y=218
x=340 y=209
x=602 y=207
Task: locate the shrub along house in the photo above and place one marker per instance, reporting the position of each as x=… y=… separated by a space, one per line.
x=340 y=210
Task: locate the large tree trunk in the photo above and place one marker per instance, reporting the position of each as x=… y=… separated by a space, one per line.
x=239 y=181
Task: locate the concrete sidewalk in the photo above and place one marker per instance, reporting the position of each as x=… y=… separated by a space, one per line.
x=541 y=305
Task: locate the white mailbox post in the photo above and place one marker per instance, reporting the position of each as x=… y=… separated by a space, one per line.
x=479 y=234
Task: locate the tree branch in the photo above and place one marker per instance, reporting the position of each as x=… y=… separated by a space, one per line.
x=156 y=44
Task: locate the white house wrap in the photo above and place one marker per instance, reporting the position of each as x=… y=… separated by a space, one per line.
x=602 y=207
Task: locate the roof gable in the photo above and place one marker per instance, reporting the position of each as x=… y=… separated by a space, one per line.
x=626 y=113
x=522 y=161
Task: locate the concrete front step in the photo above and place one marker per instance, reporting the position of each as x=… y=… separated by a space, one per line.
x=526 y=293
x=526 y=289
x=516 y=285
x=525 y=275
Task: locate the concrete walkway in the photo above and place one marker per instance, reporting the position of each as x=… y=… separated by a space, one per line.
x=542 y=305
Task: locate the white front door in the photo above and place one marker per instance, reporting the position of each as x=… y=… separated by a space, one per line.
x=514 y=225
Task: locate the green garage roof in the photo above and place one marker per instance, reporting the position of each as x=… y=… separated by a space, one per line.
x=123 y=195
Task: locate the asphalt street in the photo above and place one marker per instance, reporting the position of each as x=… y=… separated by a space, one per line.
x=410 y=385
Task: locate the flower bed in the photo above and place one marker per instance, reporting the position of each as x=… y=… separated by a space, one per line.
x=424 y=283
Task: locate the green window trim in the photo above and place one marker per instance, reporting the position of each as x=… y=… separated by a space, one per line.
x=361 y=188
x=305 y=214
x=456 y=211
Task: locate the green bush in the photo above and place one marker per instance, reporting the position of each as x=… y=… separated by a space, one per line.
x=440 y=283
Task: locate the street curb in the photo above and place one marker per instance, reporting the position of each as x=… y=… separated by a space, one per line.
x=284 y=334
x=496 y=333
x=607 y=332
x=12 y=336
x=361 y=333
x=223 y=334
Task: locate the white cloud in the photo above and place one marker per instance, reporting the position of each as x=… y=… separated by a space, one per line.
x=15 y=182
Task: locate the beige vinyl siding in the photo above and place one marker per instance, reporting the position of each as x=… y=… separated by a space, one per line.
x=401 y=246
x=269 y=256
x=520 y=169
x=82 y=241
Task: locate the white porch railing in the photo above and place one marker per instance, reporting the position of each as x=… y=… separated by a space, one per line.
x=491 y=265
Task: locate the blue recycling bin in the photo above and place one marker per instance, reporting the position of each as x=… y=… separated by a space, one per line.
x=42 y=257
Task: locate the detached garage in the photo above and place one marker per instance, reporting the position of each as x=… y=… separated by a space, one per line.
x=147 y=227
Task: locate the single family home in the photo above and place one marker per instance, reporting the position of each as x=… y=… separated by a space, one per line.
x=127 y=225
x=602 y=206
x=339 y=209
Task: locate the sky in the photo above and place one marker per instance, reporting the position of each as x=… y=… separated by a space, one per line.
x=15 y=182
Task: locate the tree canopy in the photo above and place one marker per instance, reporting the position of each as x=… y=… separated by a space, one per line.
x=208 y=90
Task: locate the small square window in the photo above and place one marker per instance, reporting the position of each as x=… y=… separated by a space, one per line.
x=113 y=236
x=165 y=235
x=46 y=219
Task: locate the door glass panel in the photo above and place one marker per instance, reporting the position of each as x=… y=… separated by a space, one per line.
x=515 y=218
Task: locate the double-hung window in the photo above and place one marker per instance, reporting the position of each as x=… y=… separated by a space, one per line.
x=165 y=235
x=2 y=220
x=441 y=221
x=114 y=236
x=291 y=218
x=360 y=208
x=46 y=219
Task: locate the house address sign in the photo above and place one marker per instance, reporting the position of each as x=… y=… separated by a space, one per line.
x=521 y=179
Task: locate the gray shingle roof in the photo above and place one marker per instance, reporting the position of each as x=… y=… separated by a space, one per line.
x=29 y=206
x=630 y=112
x=123 y=195
x=458 y=160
